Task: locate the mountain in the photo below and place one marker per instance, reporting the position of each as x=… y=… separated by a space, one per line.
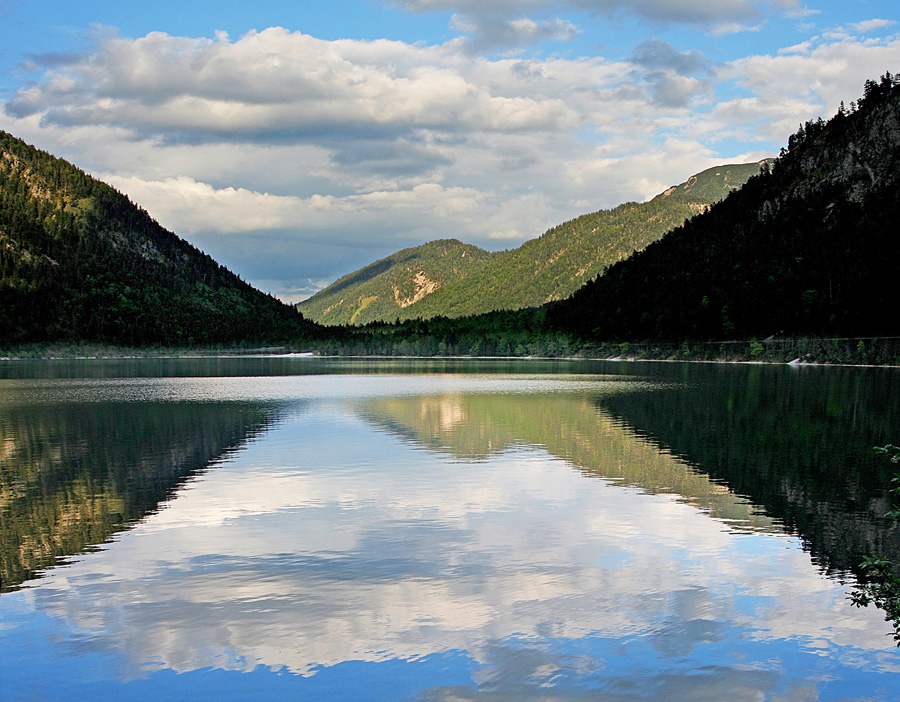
x=563 y=259
x=419 y=283
x=80 y=262
x=382 y=290
x=808 y=247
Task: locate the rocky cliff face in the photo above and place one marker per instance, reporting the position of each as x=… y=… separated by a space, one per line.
x=855 y=152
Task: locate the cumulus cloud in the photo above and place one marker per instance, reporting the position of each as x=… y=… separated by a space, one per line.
x=872 y=25
x=785 y=86
x=659 y=54
x=668 y=71
x=277 y=86
x=189 y=206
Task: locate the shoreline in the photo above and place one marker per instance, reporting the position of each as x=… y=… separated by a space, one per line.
x=113 y=354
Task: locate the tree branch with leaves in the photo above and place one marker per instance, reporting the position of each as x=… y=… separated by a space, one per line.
x=881 y=576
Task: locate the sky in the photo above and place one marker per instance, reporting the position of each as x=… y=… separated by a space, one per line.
x=298 y=141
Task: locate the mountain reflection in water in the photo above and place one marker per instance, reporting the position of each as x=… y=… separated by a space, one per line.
x=443 y=537
x=473 y=427
x=73 y=474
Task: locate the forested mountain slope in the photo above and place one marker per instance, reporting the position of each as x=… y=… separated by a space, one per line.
x=811 y=247
x=382 y=290
x=421 y=282
x=80 y=262
x=563 y=259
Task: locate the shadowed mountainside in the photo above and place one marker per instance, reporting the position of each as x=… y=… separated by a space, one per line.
x=80 y=262
x=809 y=247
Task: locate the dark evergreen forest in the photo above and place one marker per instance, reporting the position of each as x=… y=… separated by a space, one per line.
x=80 y=262
x=809 y=247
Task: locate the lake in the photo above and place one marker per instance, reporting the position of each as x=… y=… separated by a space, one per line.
x=315 y=529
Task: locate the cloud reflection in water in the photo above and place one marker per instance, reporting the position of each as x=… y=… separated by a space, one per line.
x=335 y=538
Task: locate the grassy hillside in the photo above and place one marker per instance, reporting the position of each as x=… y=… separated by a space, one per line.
x=809 y=248
x=556 y=264
x=80 y=262
x=382 y=290
x=446 y=278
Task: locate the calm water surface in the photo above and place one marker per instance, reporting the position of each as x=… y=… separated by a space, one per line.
x=289 y=528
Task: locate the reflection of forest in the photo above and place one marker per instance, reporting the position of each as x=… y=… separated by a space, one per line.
x=471 y=427
x=798 y=443
x=71 y=475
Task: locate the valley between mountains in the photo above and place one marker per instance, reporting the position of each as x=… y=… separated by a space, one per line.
x=803 y=245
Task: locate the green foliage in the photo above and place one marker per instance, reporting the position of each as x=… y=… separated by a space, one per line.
x=756 y=348
x=384 y=289
x=893 y=454
x=882 y=589
x=881 y=584
x=470 y=281
x=502 y=333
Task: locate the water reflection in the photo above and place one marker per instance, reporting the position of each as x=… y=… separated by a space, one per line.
x=796 y=441
x=72 y=474
x=427 y=537
x=569 y=426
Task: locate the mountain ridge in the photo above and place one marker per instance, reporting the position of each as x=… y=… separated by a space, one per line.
x=382 y=288
x=807 y=247
x=541 y=270
x=80 y=262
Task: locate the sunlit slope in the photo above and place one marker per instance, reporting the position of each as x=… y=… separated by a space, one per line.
x=556 y=264
x=451 y=279
x=382 y=290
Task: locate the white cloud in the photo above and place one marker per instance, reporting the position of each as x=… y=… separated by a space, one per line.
x=872 y=25
x=276 y=86
x=494 y=33
x=787 y=86
x=188 y=206
x=801 y=48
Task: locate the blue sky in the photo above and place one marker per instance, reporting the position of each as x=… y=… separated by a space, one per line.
x=298 y=141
